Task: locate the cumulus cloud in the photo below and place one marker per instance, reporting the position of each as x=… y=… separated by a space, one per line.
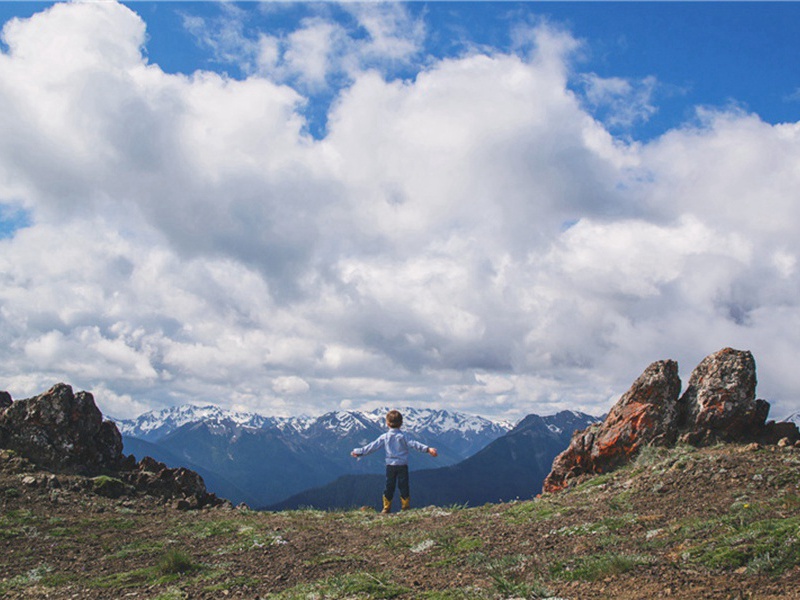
x=472 y=237
x=622 y=102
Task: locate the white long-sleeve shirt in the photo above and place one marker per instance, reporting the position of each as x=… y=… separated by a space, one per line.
x=396 y=444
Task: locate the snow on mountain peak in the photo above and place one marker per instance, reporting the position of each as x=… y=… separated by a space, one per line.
x=158 y=423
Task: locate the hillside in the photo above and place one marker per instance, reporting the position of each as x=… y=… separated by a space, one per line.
x=720 y=522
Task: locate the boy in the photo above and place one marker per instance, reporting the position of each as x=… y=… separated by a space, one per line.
x=396 y=445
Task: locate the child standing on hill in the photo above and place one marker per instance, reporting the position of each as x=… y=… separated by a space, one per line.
x=396 y=445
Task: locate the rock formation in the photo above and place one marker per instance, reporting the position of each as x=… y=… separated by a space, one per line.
x=62 y=431
x=65 y=432
x=719 y=404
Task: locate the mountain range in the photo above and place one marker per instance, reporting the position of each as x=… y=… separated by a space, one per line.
x=264 y=460
x=512 y=466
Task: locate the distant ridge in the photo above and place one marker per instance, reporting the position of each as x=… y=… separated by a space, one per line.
x=262 y=460
x=511 y=467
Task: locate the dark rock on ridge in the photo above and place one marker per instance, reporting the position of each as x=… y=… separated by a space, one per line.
x=62 y=431
x=182 y=485
x=719 y=405
x=65 y=433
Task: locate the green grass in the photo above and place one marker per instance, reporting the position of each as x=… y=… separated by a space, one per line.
x=451 y=549
x=177 y=562
x=170 y=567
x=139 y=548
x=455 y=594
x=15 y=523
x=540 y=509
x=762 y=546
x=234 y=582
x=596 y=566
x=355 y=586
x=595 y=481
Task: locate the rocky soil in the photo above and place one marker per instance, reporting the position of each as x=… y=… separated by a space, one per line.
x=716 y=522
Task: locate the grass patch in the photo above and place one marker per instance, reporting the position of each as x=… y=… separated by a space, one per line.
x=15 y=523
x=172 y=565
x=596 y=566
x=534 y=511
x=455 y=549
x=594 y=481
x=176 y=562
x=207 y=529
x=139 y=548
x=455 y=594
x=762 y=546
x=355 y=585
x=229 y=584
x=508 y=581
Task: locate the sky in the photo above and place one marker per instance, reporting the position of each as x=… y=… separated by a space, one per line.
x=495 y=208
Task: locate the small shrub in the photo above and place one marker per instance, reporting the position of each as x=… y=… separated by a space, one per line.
x=176 y=562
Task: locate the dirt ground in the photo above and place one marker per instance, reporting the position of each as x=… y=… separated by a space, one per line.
x=721 y=523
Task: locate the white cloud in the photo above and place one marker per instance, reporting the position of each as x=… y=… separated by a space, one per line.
x=620 y=102
x=470 y=238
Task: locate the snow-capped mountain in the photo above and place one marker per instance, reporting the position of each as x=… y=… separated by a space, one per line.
x=793 y=418
x=512 y=466
x=441 y=421
x=263 y=459
x=154 y=425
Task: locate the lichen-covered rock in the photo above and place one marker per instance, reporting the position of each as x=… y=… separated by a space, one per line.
x=719 y=404
x=61 y=431
x=646 y=414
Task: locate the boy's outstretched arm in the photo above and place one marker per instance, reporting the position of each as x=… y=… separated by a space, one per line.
x=368 y=449
x=422 y=447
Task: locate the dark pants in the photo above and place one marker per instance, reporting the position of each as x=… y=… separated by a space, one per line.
x=396 y=474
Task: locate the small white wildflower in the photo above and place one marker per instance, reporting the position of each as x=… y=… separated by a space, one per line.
x=653 y=533
x=423 y=546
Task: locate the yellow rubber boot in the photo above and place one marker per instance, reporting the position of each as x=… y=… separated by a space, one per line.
x=405 y=503
x=387 y=506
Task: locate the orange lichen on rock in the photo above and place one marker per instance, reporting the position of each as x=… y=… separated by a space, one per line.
x=719 y=404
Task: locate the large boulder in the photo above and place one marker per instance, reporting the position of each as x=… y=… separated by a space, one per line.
x=719 y=405
x=646 y=414
x=62 y=431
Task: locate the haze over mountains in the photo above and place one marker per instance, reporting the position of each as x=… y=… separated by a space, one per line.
x=265 y=461
x=512 y=466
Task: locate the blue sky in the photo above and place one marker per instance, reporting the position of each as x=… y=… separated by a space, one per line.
x=500 y=208
x=701 y=53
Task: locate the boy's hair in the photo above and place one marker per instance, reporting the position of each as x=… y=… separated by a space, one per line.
x=394 y=419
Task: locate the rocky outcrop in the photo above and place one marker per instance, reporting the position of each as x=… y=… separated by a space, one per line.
x=719 y=404
x=185 y=488
x=65 y=432
x=61 y=431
